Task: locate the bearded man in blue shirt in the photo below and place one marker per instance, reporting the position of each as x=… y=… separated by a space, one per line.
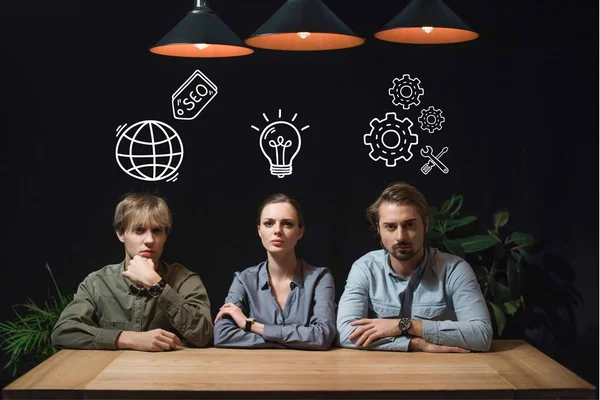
x=408 y=296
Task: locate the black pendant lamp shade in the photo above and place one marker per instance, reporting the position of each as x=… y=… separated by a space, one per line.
x=426 y=22
x=201 y=33
x=303 y=25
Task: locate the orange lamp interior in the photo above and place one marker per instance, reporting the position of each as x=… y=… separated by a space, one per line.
x=192 y=50
x=313 y=41
x=419 y=36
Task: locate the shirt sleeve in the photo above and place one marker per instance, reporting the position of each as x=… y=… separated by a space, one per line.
x=473 y=328
x=320 y=332
x=354 y=305
x=228 y=334
x=77 y=326
x=188 y=310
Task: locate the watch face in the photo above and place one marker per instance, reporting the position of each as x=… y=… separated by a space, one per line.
x=404 y=324
x=154 y=290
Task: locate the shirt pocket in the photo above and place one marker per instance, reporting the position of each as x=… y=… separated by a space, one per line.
x=382 y=310
x=119 y=325
x=430 y=312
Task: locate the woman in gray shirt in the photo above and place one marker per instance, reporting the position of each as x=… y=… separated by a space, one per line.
x=282 y=302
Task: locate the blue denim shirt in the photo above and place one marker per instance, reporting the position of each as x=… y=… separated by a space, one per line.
x=448 y=301
x=306 y=322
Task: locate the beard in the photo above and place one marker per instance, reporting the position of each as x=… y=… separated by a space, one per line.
x=402 y=254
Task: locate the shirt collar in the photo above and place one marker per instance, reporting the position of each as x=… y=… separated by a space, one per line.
x=423 y=263
x=263 y=275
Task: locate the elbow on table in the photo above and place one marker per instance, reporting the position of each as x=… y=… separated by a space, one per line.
x=222 y=332
x=343 y=341
x=487 y=334
x=203 y=339
x=57 y=338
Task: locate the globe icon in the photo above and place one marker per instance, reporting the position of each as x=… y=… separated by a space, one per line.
x=150 y=151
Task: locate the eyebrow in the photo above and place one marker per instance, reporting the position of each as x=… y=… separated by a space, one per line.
x=402 y=222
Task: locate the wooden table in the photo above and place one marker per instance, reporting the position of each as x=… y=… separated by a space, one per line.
x=513 y=369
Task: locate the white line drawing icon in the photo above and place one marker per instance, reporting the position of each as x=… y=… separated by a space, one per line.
x=280 y=142
x=191 y=97
x=406 y=91
x=149 y=150
x=390 y=139
x=434 y=161
x=431 y=119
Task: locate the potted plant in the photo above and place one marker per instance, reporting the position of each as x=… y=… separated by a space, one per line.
x=27 y=338
x=498 y=260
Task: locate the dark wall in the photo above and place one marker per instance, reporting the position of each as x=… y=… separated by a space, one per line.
x=521 y=125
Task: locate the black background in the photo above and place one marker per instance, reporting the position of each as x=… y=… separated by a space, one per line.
x=521 y=115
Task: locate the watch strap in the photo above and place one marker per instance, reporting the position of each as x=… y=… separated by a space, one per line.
x=249 y=322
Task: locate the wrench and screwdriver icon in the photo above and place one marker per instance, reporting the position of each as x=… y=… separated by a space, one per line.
x=434 y=161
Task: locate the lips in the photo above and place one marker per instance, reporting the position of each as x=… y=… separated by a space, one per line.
x=147 y=253
x=277 y=242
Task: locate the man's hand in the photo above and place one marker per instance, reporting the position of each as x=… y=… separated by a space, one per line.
x=154 y=340
x=234 y=312
x=370 y=330
x=420 y=344
x=141 y=271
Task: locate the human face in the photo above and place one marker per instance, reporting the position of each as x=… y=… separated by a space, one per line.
x=402 y=230
x=146 y=241
x=278 y=229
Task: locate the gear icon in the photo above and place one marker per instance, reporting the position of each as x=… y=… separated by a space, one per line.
x=406 y=91
x=431 y=119
x=390 y=139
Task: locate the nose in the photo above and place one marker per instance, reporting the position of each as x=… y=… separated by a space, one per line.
x=148 y=237
x=401 y=234
x=278 y=228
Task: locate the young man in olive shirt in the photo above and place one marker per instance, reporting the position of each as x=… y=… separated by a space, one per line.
x=142 y=303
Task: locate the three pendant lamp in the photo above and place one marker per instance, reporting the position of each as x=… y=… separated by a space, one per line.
x=308 y=25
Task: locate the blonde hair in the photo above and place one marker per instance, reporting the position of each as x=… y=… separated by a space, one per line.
x=398 y=193
x=140 y=209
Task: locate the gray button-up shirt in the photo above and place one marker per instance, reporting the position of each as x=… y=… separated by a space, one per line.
x=306 y=322
x=448 y=300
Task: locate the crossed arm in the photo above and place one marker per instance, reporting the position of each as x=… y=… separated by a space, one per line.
x=472 y=331
x=319 y=334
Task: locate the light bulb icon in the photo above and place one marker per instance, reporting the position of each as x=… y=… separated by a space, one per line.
x=280 y=143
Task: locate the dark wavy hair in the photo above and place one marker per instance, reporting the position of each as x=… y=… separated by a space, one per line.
x=282 y=198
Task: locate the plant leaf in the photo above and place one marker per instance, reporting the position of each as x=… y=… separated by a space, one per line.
x=433 y=212
x=522 y=239
x=446 y=206
x=455 y=223
x=453 y=246
x=511 y=307
x=500 y=218
x=500 y=292
x=457 y=201
x=434 y=234
x=499 y=316
x=473 y=244
x=513 y=273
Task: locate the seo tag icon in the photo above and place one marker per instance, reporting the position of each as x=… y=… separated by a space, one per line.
x=191 y=97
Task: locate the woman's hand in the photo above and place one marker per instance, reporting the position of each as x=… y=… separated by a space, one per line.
x=234 y=312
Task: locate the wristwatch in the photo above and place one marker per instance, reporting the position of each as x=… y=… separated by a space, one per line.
x=156 y=289
x=249 y=322
x=404 y=325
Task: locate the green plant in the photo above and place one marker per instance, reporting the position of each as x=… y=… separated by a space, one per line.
x=497 y=261
x=29 y=334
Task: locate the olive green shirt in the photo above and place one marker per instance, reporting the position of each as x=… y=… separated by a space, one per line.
x=106 y=303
